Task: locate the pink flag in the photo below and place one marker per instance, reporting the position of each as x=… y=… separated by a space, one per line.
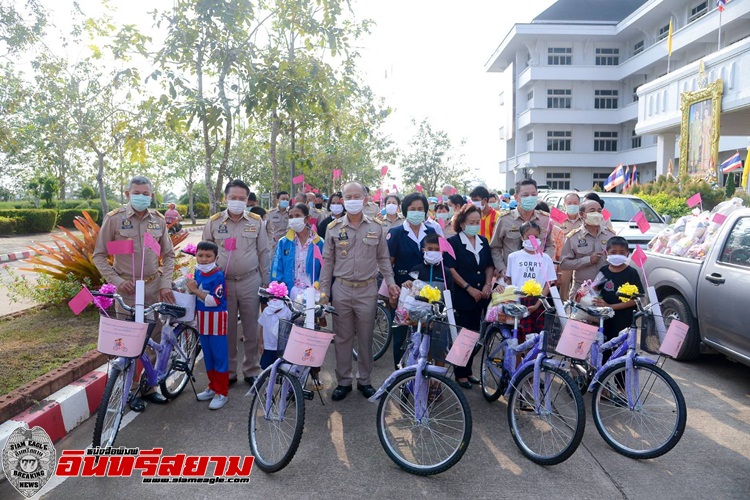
x=317 y=255
x=230 y=244
x=336 y=173
x=558 y=215
x=383 y=171
x=395 y=188
x=442 y=223
x=308 y=188
x=607 y=214
x=643 y=225
x=534 y=242
x=81 y=300
x=719 y=218
x=299 y=179
x=694 y=200
x=418 y=187
x=639 y=256
x=376 y=196
x=446 y=247
x=120 y=247
x=315 y=190
x=151 y=243
x=454 y=191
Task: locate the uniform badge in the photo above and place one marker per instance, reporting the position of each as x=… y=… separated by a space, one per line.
x=249 y=228
x=583 y=243
x=153 y=225
x=344 y=253
x=29 y=460
x=604 y=242
x=388 y=236
x=371 y=234
x=126 y=224
x=342 y=235
x=223 y=229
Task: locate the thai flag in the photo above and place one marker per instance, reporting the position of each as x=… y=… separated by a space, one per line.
x=733 y=163
x=720 y=4
x=626 y=184
x=633 y=177
x=616 y=178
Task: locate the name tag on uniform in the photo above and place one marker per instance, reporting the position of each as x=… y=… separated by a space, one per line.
x=249 y=228
x=371 y=234
x=583 y=243
x=153 y=225
x=223 y=229
x=513 y=229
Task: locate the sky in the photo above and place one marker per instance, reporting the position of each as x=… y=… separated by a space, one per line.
x=425 y=57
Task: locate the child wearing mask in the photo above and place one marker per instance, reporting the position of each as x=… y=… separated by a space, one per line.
x=430 y=270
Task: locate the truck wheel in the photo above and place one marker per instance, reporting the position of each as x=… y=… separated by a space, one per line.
x=675 y=306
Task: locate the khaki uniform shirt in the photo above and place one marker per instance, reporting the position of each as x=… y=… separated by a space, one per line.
x=123 y=224
x=252 y=244
x=387 y=224
x=577 y=250
x=277 y=224
x=354 y=254
x=507 y=236
x=371 y=210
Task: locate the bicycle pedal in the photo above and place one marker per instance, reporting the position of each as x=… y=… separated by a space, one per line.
x=308 y=394
x=180 y=366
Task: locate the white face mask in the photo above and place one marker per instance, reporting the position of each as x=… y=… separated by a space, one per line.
x=297 y=224
x=236 y=206
x=337 y=209
x=528 y=245
x=354 y=206
x=478 y=204
x=433 y=257
x=594 y=219
x=205 y=268
x=617 y=260
x=391 y=209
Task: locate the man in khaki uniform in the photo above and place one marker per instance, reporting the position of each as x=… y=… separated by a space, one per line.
x=584 y=249
x=506 y=238
x=316 y=214
x=132 y=222
x=573 y=221
x=371 y=208
x=246 y=270
x=277 y=220
x=355 y=249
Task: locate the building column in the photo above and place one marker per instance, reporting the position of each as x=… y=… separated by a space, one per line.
x=665 y=151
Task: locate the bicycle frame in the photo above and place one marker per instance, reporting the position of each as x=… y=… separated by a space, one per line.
x=300 y=372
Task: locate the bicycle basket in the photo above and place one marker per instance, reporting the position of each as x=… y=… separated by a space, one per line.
x=119 y=335
x=553 y=331
x=285 y=329
x=650 y=337
x=440 y=340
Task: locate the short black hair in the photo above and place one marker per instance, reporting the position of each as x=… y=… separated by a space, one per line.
x=208 y=245
x=319 y=195
x=259 y=211
x=457 y=199
x=525 y=182
x=617 y=241
x=593 y=196
x=411 y=198
x=493 y=195
x=395 y=196
x=542 y=206
x=278 y=195
x=330 y=199
x=481 y=192
x=441 y=205
x=252 y=197
x=303 y=207
x=529 y=225
x=431 y=239
x=236 y=183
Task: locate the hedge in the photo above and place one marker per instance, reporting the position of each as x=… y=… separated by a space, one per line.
x=65 y=218
x=32 y=221
x=665 y=204
x=7 y=225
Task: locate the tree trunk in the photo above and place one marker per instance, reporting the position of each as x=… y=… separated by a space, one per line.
x=207 y=149
x=275 y=129
x=100 y=181
x=228 y=130
x=191 y=210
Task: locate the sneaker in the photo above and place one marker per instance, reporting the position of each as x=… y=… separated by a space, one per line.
x=217 y=402
x=206 y=395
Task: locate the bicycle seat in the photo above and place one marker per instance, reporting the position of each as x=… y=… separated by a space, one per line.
x=171 y=310
x=600 y=312
x=515 y=310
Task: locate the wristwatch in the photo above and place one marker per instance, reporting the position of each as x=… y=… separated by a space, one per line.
x=467 y=286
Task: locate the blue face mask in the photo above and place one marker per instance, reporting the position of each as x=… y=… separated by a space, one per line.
x=140 y=202
x=415 y=217
x=472 y=230
x=529 y=203
x=284 y=204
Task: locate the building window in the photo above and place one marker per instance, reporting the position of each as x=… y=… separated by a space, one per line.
x=558 y=98
x=559 y=56
x=558 y=180
x=558 y=140
x=605 y=141
x=607 y=57
x=600 y=179
x=635 y=94
x=698 y=11
x=638 y=47
x=606 y=99
x=635 y=141
x=663 y=32
x=530 y=96
x=529 y=136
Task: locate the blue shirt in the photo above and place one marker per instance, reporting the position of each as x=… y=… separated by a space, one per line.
x=406 y=252
x=213 y=284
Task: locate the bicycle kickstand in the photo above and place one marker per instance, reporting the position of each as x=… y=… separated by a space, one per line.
x=318 y=386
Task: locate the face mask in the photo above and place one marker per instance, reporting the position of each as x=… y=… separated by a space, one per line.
x=311 y=205
x=318 y=206
x=235 y=206
x=140 y=202
x=431 y=206
x=337 y=209
x=572 y=209
x=415 y=217
x=451 y=212
x=472 y=230
x=283 y=204
x=205 y=268
x=527 y=245
x=445 y=198
x=617 y=260
x=529 y=203
x=391 y=209
x=354 y=206
x=594 y=219
x=494 y=205
x=297 y=224
x=444 y=215
x=433 y=257
x=478 y=204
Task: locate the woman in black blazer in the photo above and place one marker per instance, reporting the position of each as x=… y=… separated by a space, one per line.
x=472 y=272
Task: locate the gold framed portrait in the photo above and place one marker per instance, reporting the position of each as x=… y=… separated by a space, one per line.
x=699 y=132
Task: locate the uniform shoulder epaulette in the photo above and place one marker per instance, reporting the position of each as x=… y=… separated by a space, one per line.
x=574 y=231
x=504 y=211
x=215 y=216
x=253 y=215
x=379 y=220
x=334 y=222
x=113 y=212
x=156 y=213
x=546 y=214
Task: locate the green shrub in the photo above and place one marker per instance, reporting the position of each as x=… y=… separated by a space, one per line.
x=32 y=221
x=202 y=210
x=68 y=204
x=667 y=205
x=7 y=225
x=65 y=218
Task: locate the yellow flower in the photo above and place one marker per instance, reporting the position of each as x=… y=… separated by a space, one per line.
x=627 y=289
x=430 y=293
x=532 y=288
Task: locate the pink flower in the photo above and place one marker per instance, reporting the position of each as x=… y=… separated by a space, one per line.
x=190 y=249
x=190 y=276
x=277 y=289
x=105 y=302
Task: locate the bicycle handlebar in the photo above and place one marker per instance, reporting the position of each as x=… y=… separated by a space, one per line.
x=319 y=308
x=160 y=307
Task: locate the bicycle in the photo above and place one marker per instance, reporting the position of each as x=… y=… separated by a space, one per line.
x=381 y=333
x=546 y=415
x=638 y=409
x=176 y=355
x=277 y=412
x=423 y=419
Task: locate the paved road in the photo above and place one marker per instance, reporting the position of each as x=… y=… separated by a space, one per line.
x=340 y=455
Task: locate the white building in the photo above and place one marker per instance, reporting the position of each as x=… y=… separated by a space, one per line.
x=587 y=87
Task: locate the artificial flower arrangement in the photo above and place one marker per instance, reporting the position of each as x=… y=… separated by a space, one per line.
x=430 y=293
x=415 y=303
x=627 y=289
x=277 y=289
x=585 y=298
x=532 y=288
x=105 y=302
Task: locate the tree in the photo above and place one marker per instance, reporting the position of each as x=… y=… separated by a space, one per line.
x=87 y=193
x=730 y=188
x=43 y=188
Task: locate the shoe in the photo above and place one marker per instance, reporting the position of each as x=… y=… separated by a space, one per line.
x=250 y=380
x=340 y=392
x=366 y=390
x=217 y=402
x=156 y=398
x=206 y=395
x=232 y=380
x=474 y=380
x=465 y=384
x=137 y=404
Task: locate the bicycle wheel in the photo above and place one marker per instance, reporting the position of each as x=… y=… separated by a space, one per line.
x=110 y=411
x=656 y=423
x=381 y=334
x=493 y=376
x=551 y=435
x=274 y=440
x=436 y=443
x=180 y=367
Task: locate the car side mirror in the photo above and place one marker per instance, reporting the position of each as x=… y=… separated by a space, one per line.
x=667 y=218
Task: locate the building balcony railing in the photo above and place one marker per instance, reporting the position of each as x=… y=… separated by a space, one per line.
x=570 y=116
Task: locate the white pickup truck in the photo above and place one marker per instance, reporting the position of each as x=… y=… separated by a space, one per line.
x=713 y=295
